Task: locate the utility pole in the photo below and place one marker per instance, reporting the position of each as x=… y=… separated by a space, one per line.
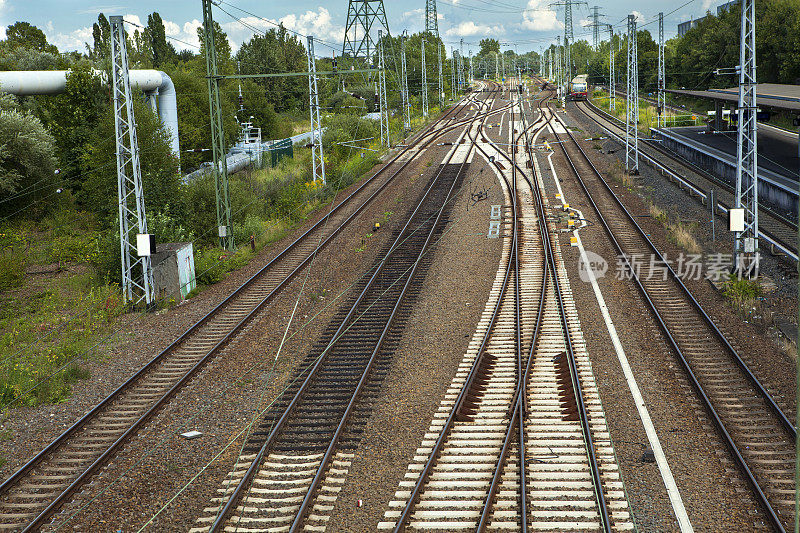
x=662 y=96
x=132 y=216
x=362 y=17
x=632 y=105
x=441 y=79
x=461 y=65
x=424 y=83
x=746 y=234
x=612 y=82
x=453 y=73
x=431 y=18
x=382 y=93
x=503 y=62
x=404 y=88
x=496 y=67
x=317 y=157
x=225 y=230
x=471 y=72
x=559 y=72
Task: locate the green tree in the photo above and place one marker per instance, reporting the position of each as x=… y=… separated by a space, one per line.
x=160 y=179
x=73 y=117
x=163 y=51
x=488 y=46
x=100 y=51
x=27 y=163
x=25 y=35
x=277 y=51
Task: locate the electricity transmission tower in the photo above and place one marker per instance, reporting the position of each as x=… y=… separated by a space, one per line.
x=362 y=16
x=132 y=216
x=424 y=83
x=746 y=238
x=404 y=88
x=431 y=19
x=632 y=105
x=225 y=231
x=662 y=96
x=596 y=25
x=317 y=157
x=382 y=93
x=612 y=82
x=568 y=34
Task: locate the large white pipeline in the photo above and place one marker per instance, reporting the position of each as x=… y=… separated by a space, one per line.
x=152 y=82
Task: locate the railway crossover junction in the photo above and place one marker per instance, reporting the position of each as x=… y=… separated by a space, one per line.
x=473 y=369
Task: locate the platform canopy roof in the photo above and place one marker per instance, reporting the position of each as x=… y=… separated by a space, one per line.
x=768 y=95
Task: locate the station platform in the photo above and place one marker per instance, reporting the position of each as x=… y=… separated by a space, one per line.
x=778 y=162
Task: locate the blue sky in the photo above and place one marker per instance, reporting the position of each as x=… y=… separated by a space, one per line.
x=531 y=24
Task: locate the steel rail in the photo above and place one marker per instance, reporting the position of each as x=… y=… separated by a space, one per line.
x=584 y=418
x=329 y=452
x=236 y=495
x=774 y=240
x=64 y=437
x=494 y=485
x=733 y=448
x=454 y=412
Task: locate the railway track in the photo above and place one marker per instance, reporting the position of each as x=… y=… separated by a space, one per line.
x=293 y=465
x=38 y=489
x=774 y=228
x=757 y=433
x=524 y=390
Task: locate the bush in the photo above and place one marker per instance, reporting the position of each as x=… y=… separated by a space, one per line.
x=12 y=270
x=74 y=248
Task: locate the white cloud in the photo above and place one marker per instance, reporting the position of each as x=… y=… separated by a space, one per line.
x=3 y=24
x=470 y=29
x=189 y=35
x=707 y=4
x=317 y=23
x=538 y=16
x=135 y=21
x=171 y=29
x=75 y=40
x=638 y=15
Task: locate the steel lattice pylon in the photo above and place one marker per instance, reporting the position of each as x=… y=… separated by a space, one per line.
x=404 y=87
x=612 y=82
x=746 y=242
x=132 y=216
x=568 y=35
x=596 y=25
x=317 y=156
x=382 y=92
x=662 y=96
x=362 y=16
x=217 y=133
x=632 y=104
x=431 y=18
x=441 y=79
x=424 y=83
